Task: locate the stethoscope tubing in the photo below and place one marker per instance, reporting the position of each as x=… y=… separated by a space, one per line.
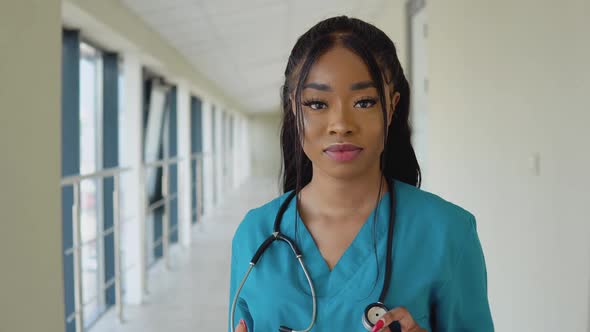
x=277 y=235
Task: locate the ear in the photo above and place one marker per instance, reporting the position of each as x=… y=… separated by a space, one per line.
x=392 y=104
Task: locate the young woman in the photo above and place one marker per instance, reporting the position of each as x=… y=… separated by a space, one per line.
x=353 y=244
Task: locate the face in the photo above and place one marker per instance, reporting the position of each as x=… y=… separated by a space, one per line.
x=342 y=116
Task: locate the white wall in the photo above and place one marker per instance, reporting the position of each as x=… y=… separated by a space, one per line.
x=264 y=139
x=391 y=19
x=31 y=290
x=509 y=79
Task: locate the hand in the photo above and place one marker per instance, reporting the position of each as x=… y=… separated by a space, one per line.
x=242 y=326
x=400 y=314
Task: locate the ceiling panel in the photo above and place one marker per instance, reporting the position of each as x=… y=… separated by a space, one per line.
x=243 y=46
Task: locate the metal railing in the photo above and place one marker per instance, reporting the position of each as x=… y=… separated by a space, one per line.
x=164 y=239
x=76 y=249
x=196 y=179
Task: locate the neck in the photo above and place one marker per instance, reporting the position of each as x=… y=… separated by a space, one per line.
x=338 y=197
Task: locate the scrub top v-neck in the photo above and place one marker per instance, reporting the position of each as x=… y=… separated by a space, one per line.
x=438 y=274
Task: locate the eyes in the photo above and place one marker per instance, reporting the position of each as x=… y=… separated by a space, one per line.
x=318 y=104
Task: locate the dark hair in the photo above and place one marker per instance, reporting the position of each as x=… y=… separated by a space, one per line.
x=398 y=160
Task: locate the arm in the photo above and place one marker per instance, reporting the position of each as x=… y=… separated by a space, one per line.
x=462 y=302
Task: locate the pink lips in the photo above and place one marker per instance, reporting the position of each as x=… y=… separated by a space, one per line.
x=343 y=152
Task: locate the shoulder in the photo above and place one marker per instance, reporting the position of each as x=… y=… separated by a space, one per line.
x=257 y=224
x=432 y=213
x=432 y=224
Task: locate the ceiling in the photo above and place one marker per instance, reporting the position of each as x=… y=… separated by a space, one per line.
x=243 y=45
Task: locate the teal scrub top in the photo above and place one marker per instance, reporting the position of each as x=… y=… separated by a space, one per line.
x=439 y=273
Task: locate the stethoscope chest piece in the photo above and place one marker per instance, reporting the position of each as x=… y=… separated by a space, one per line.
x=372 y=314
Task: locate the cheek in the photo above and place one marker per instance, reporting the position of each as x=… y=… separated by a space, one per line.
x=313 y=129
x=315 y=140
x=375 y=134
x=312 y=138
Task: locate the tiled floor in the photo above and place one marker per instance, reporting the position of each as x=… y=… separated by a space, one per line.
x=194 y=295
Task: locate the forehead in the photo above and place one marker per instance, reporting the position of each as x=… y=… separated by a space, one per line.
x=338 y=66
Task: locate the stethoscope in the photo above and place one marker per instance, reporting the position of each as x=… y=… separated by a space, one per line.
x=373 y=312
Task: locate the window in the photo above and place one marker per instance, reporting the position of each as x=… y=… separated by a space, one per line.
x=91 y=190
x=156 y=113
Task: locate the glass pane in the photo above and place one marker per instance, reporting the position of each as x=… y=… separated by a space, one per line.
x=88 y=115
x=154 y=134
x=90 y=190
x=90 y=282
x=90 y=268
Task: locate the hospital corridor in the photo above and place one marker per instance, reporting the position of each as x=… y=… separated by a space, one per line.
x=195 y=282
x=137 y=135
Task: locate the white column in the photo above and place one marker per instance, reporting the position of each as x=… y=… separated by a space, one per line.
x=208 y=164
x=219 y=156
x=134 y=195
x=236 y=151
x=246 y=155
x=185 y=181
x=228 y=160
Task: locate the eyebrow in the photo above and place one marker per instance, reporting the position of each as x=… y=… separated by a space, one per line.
x=326 y=87
x=317 y=86
x=362 y=85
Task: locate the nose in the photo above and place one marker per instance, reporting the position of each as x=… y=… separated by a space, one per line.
x=341 y=122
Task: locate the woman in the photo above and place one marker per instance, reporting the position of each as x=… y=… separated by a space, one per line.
x=348 y=158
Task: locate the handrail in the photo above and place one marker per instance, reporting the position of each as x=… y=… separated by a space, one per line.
x=165 y=202
x=104 y=173
x=162 y=162
x=115 y=230
x=76 y=249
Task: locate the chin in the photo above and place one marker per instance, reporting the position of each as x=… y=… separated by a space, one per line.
x=344 y=171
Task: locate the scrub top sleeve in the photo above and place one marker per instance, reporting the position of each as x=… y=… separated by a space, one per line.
x=242 y=311
x=462 y=302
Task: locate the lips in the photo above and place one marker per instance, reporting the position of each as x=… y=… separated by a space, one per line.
x=342 y=147
x=343 y=152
